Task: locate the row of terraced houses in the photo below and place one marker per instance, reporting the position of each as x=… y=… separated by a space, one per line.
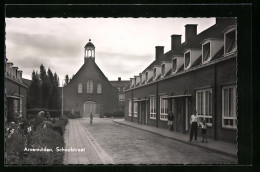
x=198 y=74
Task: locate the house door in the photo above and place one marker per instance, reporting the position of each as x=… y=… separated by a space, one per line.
x=179 y=114
x=89 y=107
x=142 y=112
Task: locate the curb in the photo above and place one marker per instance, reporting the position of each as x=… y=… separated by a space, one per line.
x=189 y=143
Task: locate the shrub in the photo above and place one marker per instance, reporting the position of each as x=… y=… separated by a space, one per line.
x=114 y=114
x=45 y=138
x=32 y=113
x=59 y=126
x=20 y=136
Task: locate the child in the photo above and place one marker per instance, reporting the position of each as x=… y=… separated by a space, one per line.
x=91 y=118
x=204 y=130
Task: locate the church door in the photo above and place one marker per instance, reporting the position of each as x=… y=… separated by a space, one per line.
x=89 y=107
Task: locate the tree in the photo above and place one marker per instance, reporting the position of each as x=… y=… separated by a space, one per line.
x=67 y=79
x=51 y=98
x=35 y=91
x=46 y=86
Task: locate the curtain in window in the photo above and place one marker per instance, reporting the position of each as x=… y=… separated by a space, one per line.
x=90 y=86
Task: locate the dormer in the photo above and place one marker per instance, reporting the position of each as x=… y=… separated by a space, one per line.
x=177 y=62
x=15 y=72
x=190 y=56
x=132 y=82
x=137 y=80
x=230 y=40
x=156 y=71
x=19 y=75
x=210 y=47
x=142 y=78
x=9 y=68
x=148 y=75
x=165 y=67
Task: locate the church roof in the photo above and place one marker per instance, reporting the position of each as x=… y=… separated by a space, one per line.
x=89 y=44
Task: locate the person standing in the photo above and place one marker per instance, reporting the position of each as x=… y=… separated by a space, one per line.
x=170 y=120
x=91 y=118
x=204 y=131
x=194 y=125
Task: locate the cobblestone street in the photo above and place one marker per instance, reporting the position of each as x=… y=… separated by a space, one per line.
x=127 y=145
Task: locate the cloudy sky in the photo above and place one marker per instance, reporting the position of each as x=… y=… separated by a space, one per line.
x=124 y=46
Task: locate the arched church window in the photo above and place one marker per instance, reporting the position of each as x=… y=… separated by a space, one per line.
x=90 y=86
x=79 y=88
x=99 y=88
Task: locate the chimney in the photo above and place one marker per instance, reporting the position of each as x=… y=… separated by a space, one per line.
x=176 y=41
x=159 y=50
x=119 y=78
x=190 y=31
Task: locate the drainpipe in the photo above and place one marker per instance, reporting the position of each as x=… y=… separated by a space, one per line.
x=132 y=116
x=157 y=104
x=215 y=103
x=19 y=99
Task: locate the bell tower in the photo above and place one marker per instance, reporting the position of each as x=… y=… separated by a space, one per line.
x=89 y=50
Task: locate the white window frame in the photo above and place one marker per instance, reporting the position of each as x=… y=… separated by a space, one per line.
x=232 y=51
x=187 y=67
x=174 y=59
x=163 y=70
x=209 y=58
x=99 y=88
x=154 y=73
x=121 y=97
x=202 y=113
x=234 y=103
x=152 y=107
x=129 y=107
x=163 y=108
x=135 y=109
x=80 y=88
x=89 y=86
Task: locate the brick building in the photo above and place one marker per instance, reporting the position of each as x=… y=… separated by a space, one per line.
x=16 y=92
x=198 y=74
x=90 y=90
x=120 y=85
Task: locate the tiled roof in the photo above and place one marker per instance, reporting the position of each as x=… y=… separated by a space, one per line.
x=181 y=68
x=197 y=62
x=120 y=83
x=215 y=31
x=218 y=54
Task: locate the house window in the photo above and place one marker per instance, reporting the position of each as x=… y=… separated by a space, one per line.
x=163 y=109
x=187 y=60
x=163 y=69
x=204 y=105
x=174 y=65
x=230 y=42
x=206 y=51
x=79 y=88
x=90 y=86
x=121 y=97
x=118 y=88
x=146 y=77
x=129 y=107
x=99 y=88
x=135 y=109
x=229 y=116
x=154 y=73
x=152 y=108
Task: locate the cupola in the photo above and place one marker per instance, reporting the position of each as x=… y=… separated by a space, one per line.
x=89 y=50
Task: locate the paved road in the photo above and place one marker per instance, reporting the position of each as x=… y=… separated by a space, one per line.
x=127 y=145
x=84 y=149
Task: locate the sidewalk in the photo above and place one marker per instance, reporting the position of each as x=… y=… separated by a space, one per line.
x=225 y=148
x=77 y=136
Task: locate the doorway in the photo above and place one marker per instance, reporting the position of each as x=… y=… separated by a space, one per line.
x=89 y=107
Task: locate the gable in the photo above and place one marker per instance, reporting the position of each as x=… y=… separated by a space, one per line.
x=89 y=71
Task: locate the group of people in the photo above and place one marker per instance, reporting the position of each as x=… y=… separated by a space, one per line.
x=195 y=123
